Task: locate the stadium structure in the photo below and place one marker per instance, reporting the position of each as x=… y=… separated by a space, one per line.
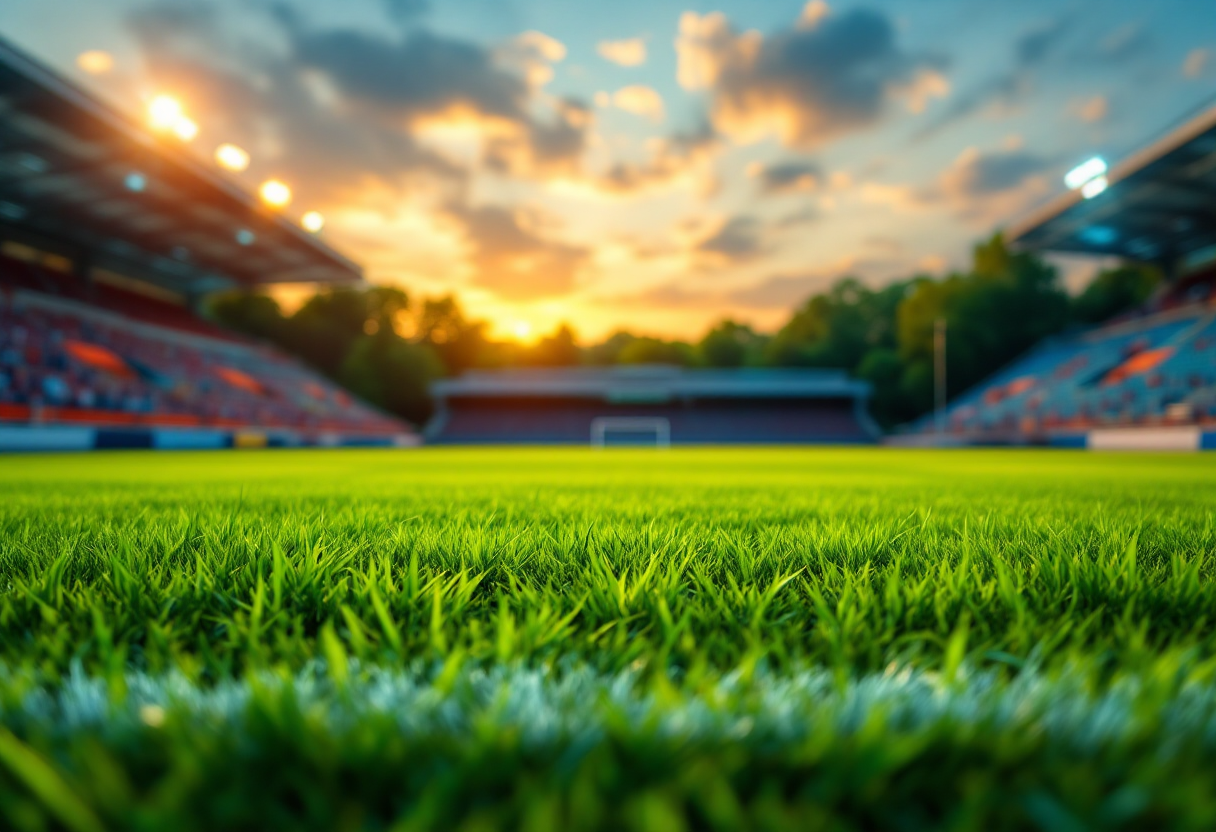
x=1146 y=379
x=109 y=239
x=651 y=404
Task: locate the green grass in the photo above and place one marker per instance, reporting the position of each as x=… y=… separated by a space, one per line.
x=558 y=639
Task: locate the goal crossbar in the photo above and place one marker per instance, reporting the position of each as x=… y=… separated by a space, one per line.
x=601 y=426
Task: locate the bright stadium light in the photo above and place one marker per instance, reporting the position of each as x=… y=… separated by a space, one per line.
x=185 y=129
x=230 y=157
x=1094 y=187
x=275 y=194
x=1085 y=172
x=165 y=115
x=163 y=112
x=313 y=222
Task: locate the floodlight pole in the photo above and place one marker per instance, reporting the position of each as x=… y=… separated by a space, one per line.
x=939 y=373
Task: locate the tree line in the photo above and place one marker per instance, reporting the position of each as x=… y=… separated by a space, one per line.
x=387 y=350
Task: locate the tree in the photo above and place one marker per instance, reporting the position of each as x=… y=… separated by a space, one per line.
x=656 y=351
x=393 y=374
x=1115 y=291
x=557 y=350
x=460 y=344
x=729 y=344
x=253 y=314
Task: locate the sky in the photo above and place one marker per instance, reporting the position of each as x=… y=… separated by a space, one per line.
x=646 y=164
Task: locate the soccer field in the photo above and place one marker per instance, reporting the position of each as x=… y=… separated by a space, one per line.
x=557 y=639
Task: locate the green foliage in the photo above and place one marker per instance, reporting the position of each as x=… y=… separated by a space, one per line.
x=392 y=374
x=717 y=578
x=730 y=344
x=1115 y=291
x=656 y=351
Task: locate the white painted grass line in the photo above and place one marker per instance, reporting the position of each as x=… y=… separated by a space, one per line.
x=572 y=704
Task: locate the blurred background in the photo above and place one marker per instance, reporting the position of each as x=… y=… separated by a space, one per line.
x=287 y=223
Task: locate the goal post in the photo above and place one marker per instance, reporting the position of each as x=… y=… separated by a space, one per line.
x=656 y=426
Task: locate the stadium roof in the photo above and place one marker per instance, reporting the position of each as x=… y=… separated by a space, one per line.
x=651 y=383
x=1159 y=206
x=76 y=170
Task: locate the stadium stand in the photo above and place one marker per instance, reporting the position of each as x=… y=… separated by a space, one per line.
x=1148 y=371
x=63 y=360
x=109 y=239
x=1159 y=369
x=640 y=403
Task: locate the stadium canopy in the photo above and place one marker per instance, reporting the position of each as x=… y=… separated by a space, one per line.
x=651 y=384
x=78 y=172
x=1159 y=206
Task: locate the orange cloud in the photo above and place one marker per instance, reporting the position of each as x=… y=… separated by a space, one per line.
x=640 y=100
x=627 y=52
x=827 y=76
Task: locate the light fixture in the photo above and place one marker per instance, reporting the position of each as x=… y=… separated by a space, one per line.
x=166 y=115
x=1085 y=172
x=1094 y=187
x=230 y=157
x=313 y=222
x=163 y=112
x=245 y=237
x=135 y=182
x=185 y=129
x=275 y=194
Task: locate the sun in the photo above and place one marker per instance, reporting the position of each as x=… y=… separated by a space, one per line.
x=522 y=330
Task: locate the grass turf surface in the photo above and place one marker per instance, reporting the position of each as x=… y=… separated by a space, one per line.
x=557 y=639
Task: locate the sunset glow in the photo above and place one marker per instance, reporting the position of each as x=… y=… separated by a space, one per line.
x=677 y=167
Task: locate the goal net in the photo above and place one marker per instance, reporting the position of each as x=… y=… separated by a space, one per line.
x=630 y=430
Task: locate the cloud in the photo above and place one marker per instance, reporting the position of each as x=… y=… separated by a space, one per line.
x=736 y=240
x=1127 y=43
x=788 y=177
x=783 y=290
x=627 y=52
x=1031 y=49
x=829 y=75
x=407 y=11
x=975 y=174
x=510 y=255
x=797 y=218
x=639 y=100
x=1195 y=63
x=290 y=117
x=680 y=157
x=1090 y=110
x=424 y=79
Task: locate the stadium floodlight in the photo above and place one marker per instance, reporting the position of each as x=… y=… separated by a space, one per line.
x=1085 y=172
x=163 y=112
x=275 y=194
x=313 y=222
x=1094 y=187
x=230 y=157
x=135 y=182
x=185 y=129
x=165 y=115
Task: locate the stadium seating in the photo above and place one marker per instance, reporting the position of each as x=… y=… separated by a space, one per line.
x=704 y=421
x=95 y=355
x=1156 y=369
